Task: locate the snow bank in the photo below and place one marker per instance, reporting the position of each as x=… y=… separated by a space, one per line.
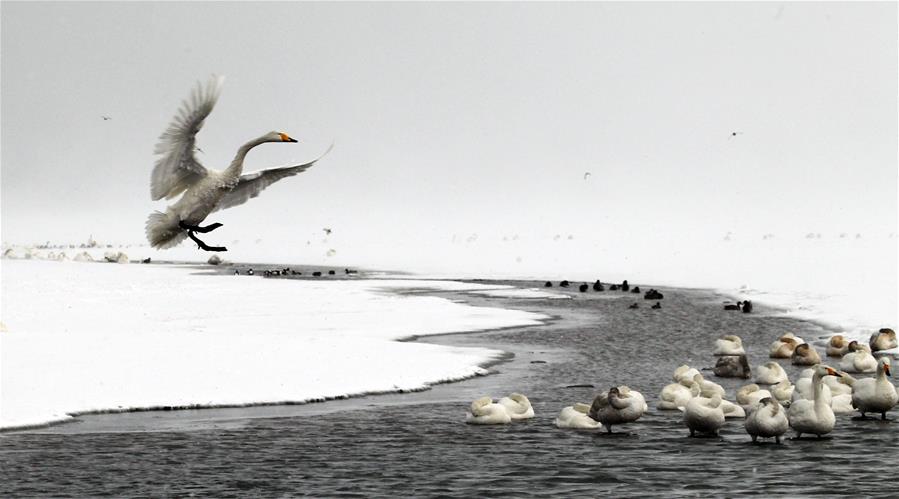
x=98 y=337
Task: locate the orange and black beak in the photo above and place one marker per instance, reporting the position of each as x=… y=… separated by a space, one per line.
x=886 y=369
x=287 y=138
x=833 y=373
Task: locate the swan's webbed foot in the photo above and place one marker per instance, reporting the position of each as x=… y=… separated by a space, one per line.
x=197 y=228
x=200 y=244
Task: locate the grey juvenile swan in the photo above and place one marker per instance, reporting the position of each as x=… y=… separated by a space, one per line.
x=205 y=191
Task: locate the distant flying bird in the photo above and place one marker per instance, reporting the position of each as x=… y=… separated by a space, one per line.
x=587 y=174
x=205 y=190
x=734 y=134
x=327 y=231
x=106 y=118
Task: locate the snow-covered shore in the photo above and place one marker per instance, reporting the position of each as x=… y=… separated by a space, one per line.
x=86 y=337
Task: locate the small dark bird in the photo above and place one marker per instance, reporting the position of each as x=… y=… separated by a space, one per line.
x=250 y=272
x=583 y=288
x=587 y=175
x=330 y=272
x=327 y=231
x=316 y=274
x=657 y=305
x=348 y=271
x=734 y=134
x=635 y=305
x=547 y=284
x=563 y=284
x=106 y=118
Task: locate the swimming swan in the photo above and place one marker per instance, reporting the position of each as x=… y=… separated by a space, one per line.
x=751 y=395
x=177 y=171
x=613 y=408
x=575 y=416
x=676 y=395
x=770 y=373
x=729 y=345
x=858 y=359
x=767 y=420
x=518 y=406
x=704 y=415
x=875 y=394
x=837 y=346
x=885 y=339
x=783 y=347
x=813 y=416
x=805 y=355
x=484 y=411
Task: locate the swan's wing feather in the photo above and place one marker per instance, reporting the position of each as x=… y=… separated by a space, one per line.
x=177 y=168
x=251 y=184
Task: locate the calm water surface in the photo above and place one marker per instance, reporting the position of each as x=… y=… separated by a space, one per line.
x=417 y=444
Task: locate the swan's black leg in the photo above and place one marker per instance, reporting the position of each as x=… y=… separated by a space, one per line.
x=203 y=245
x=609 y=428
x=197 y=228
x=777 y=438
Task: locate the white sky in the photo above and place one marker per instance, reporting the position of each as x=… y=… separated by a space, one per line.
x=462 y=119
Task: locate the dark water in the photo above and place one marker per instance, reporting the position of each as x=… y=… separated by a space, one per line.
x=417 y=444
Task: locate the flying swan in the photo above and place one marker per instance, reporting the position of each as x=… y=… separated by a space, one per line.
x=178 y=171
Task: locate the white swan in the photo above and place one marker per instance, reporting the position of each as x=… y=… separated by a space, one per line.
x=805 y=355
x=575 y=416
x=751 y=394
x=767 y=420
x=842 y=404
x=885 y=339
x=783 y=347
x=625 y=391
x=732 y=410
x=178 y=171
x=813 y=416
x=875 y=394
x=837 y=346
x=704 y=415
x=484 y=411
x=518 y=406
x=614 y=409
x=770 y=373
x=783 y=391
x=684 y=372
x=805 y=388
x=858 y=359
x=729 y=345
x=708 y=388
x=676 y=395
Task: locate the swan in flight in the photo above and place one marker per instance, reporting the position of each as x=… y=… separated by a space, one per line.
x=204 y=190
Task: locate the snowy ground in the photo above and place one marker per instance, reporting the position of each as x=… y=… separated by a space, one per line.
x=99 y=336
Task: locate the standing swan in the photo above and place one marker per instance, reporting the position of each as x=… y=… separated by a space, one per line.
x=767 y=420
x=814 y=416
x=704 y=415
x=205 y=191
x=875 y=394
x=616 y=408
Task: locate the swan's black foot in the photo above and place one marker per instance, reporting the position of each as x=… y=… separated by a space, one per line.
x=197 y=228
x=203 y=246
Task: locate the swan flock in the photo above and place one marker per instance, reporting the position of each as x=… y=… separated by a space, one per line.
x=770 y=407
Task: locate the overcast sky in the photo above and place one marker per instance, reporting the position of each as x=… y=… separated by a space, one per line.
x=462 y=119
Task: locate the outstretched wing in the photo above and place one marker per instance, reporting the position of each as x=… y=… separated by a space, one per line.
x=177 y=168
x=251 y=184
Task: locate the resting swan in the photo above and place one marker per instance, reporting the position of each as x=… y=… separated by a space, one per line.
x=575 y=416
x=885 y=339
x=770 y=373
x=518 y=406
x=676 y=395
x=708 y=388
x=704 y=415
x=767 y=420
x=813 y=416
x=613 y=408
x=783 y=391
x=205 y=191
x=783 y=347
x=484 y=411
x=858 y=359
x=729 y=345
x=683 y=373
x=751 y=395
x=805 y=355
x=875 y=394
x=837 y=346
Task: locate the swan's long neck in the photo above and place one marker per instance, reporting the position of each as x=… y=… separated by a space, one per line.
x=818 y=382
x=236 y=167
